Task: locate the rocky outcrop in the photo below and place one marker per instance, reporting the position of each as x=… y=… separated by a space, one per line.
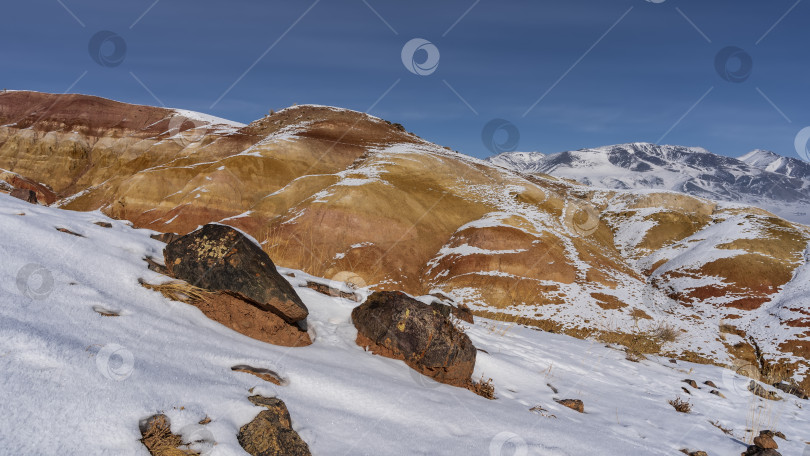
x=271 y=432
x=220 y=258
x=26 y=195
x=21 y=185
x=394 y=325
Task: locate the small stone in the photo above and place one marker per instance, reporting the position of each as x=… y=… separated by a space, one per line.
x=765 y=441
x=691 y=383
x=710 y=383
x=271 y=432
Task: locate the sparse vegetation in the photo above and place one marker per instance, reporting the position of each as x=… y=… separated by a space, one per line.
x=681 y=405
x=177 y=291
x=634 y=356
x=665 y=333
x=484 y=388
x=159 y=440
x=717 y=424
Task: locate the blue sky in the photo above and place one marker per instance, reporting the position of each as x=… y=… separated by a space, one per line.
x=611 y=71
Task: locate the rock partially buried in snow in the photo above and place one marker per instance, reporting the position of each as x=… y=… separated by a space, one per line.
x=271 y=432
x=791 y=388
x=220 y=258
x=760 y=391
x=394 y=325
x=25 y=195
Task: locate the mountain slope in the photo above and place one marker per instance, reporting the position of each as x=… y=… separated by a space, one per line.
x=338 y=193
x=778 y=184
x=77 y=382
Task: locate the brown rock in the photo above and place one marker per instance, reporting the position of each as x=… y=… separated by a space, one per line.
x=760 y=391
x=264 y=374
x=331 y=291
x=765 y=441
x=271 y=432
x=710 y=383
x=791 y=388
x=25 y=195
x=573 y=404
x=773 y=434
x=691 y=383
x=245 y=318
x=394 y=325
x=754 y=450
x=220 y=258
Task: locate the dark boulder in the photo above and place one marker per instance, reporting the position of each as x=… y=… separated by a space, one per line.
x=271 y=432
x=394 y=325
x=220 y=258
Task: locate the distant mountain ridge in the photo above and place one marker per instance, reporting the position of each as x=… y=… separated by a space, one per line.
x=759 y=178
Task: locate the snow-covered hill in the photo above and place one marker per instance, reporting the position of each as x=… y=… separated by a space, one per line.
x=77 y=382
x=760 y=178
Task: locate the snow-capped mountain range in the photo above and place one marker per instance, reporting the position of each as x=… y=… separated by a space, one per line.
x=759 y=178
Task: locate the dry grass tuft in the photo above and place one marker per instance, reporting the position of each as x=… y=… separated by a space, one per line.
x=177 y=291
x=634 y=356
x=681 y=405
x=717 y=424
x=159 y=440
x=483 y=388
x=665 y=333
